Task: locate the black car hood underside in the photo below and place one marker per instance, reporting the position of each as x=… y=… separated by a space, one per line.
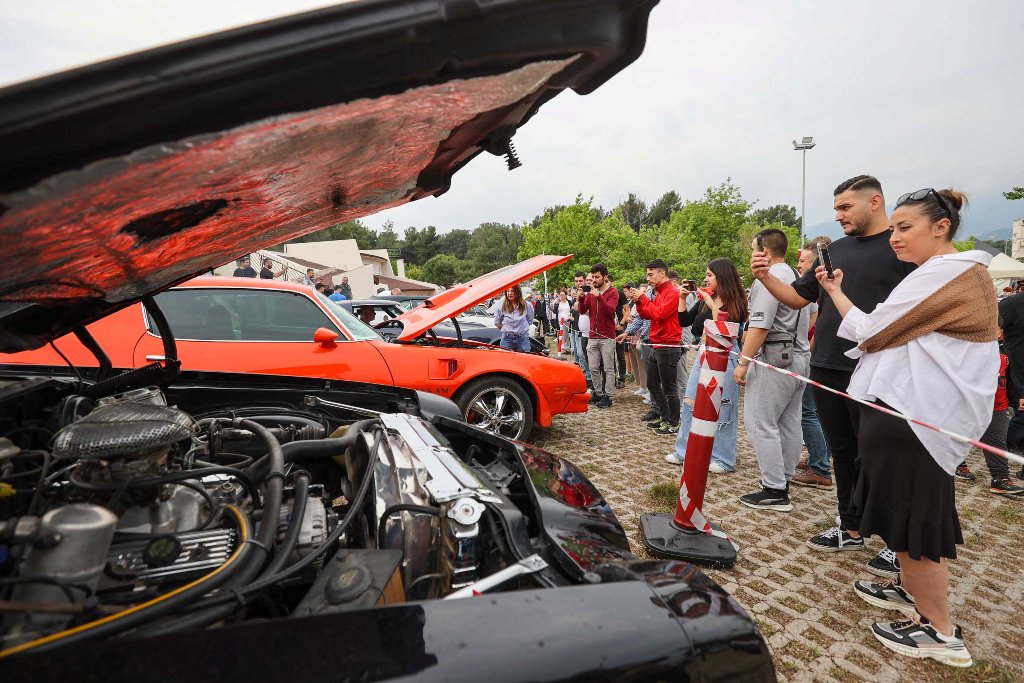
x=126 y=177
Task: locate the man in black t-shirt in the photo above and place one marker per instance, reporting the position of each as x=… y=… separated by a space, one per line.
x=1012 y=311
x=871 y=271
x=244 y=269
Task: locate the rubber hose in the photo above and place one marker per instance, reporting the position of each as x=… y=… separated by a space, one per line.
x=402 y=507
x=291 y=538
x=316 y=448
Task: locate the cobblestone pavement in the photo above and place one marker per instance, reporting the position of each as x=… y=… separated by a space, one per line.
x=801 y=599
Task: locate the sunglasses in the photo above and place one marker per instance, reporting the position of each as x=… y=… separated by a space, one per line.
x=923 y=194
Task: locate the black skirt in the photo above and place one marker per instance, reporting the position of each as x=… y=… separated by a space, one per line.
x=902 y=494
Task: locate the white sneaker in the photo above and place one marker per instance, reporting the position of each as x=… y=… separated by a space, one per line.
x=715 y=468
x=639 y=392
x=673 y=458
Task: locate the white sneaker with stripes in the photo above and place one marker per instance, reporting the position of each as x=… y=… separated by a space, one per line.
x=915 y=637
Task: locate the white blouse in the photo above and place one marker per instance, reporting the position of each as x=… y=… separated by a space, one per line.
x=937 y=379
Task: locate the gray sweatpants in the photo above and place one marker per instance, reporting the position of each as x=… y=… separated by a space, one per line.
x=599 y=350
x=771 y=413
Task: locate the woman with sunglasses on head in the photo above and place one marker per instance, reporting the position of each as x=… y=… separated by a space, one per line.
x=931 y=345
x=513 y=318
x=722 y=291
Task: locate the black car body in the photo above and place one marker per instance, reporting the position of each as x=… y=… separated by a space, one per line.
x=468 y=331
x=157 y=523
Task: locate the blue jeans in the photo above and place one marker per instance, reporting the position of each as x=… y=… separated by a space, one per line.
x=814 y=437
x=724 y=450
x=580 y=353
x=515 y=342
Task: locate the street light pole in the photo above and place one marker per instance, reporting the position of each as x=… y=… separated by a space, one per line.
x=805 y=144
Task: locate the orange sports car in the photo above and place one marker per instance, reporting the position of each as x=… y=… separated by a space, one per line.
x=259 y=326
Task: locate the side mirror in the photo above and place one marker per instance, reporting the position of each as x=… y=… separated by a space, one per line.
x=325 y=337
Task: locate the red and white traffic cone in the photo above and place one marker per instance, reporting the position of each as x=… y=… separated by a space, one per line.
x=688 y=535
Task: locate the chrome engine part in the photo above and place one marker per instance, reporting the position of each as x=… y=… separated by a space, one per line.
x=172 y=557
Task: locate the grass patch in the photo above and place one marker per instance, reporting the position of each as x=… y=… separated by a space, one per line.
x=663 y=497
x=592 y=468
x=968 y=513
x=983 y=671
x=823 y=525
x=1011 y=512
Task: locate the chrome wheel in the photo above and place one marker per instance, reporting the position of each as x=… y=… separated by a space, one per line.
x=498 y=406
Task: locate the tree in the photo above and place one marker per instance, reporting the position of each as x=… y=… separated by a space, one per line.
x=349 y=230
x=418 y=246
x=491 y=246
x=455 y=242
x=780 y=213
x=663 y=209
x=442 y=269
x=387 y=238
x=1014 y=193
x=634 y=212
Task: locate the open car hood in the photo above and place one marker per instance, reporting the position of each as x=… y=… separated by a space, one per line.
x=124 y=178
x=460 y=298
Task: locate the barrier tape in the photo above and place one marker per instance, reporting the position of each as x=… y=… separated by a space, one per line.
x=959 y=438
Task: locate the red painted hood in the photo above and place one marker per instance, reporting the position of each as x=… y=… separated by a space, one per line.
x=121 y=179
x=461 y=298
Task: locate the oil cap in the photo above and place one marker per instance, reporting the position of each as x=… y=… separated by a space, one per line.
x=162 y=551
x=347 y=585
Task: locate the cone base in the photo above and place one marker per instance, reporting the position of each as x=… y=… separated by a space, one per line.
x=664 y=540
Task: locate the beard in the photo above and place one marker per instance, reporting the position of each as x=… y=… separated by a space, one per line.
x=858 y=227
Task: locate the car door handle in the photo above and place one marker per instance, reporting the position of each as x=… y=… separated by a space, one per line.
x=155 y=358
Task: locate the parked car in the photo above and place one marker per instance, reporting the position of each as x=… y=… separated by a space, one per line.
x=469 y=327
x=159 y=523
x=280 y=328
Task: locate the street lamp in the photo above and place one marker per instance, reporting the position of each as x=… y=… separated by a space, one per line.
x=805 y=144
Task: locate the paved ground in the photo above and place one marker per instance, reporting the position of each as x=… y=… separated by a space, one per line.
x=801 y=599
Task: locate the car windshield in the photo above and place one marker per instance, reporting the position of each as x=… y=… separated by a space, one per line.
x=359 y=330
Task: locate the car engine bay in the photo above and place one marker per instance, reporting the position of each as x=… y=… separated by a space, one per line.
x=129 y=515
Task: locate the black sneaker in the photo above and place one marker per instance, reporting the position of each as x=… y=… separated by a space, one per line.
x=1005 y=487
x=887 y=595
x=667 y=429
x=916 y=637
x=768 y=499
x=651 y=415
x=594 y=398
x=656 y=424
x=604 y=402
x=620 y=384
x=884 y=564
x=835 y=540
x=963 y=473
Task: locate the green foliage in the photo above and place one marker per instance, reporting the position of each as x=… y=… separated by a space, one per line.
x=1014 y=193
x=442 y=269
x=663 y=209
x=780 y=213
x=414 y=272
x=491 y=246
x=966 y=245
x=349 y=230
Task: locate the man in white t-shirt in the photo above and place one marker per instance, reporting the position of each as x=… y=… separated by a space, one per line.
x=772 y=406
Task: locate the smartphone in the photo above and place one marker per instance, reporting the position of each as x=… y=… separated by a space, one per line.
x=823 y=259
x=691 y=285
x=760 y=243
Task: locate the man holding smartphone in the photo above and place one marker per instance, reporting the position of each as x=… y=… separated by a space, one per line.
x=663 y=363
x=872 y=271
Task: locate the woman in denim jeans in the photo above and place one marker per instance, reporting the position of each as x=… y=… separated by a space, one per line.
x=723 y=291
x=513 y=318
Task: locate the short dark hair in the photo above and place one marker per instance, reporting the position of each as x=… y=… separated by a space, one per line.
x=859 y=182
x=338 y=288
x=579 y=273
x=599 y=268
x=775 y=241
x=319 y=286
x=672 y=275
x=658 y=264
x=629 y=285
x=823 y=240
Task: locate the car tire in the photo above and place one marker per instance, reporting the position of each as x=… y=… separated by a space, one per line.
x=499 y=405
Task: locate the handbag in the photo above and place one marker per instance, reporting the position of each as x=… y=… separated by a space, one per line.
x=780 y=351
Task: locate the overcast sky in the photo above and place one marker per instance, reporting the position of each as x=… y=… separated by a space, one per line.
x=918 y=93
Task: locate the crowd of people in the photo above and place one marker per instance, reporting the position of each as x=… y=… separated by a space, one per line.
x=897 y=317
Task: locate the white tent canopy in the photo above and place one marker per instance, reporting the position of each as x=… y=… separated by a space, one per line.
x=1004 y=267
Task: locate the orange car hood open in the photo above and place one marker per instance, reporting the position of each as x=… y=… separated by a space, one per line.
x=463 y=297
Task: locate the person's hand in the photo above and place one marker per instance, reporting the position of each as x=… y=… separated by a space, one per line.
x=830 y=285
x=740 y=375
x=1020 y=405
x=621 y=338
x=759 y=264
x=706 y=296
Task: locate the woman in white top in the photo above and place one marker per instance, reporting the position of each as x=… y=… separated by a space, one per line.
x=929 y=351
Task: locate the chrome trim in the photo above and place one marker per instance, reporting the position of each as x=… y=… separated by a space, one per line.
x=529 y=565
x=317 y=401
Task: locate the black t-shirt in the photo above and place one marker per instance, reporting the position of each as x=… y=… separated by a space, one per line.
x=619 y=306
x=266 y=273
x=1012 y=310
x=248 y=271
x=698 y=314
x=870 y=272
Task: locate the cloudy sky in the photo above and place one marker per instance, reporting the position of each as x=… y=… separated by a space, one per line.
x=918 y=93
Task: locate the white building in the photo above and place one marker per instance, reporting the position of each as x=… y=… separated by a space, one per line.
x=1017 y=246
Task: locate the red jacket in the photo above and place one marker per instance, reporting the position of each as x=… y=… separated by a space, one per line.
x=601 y=310
x=663 y=313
